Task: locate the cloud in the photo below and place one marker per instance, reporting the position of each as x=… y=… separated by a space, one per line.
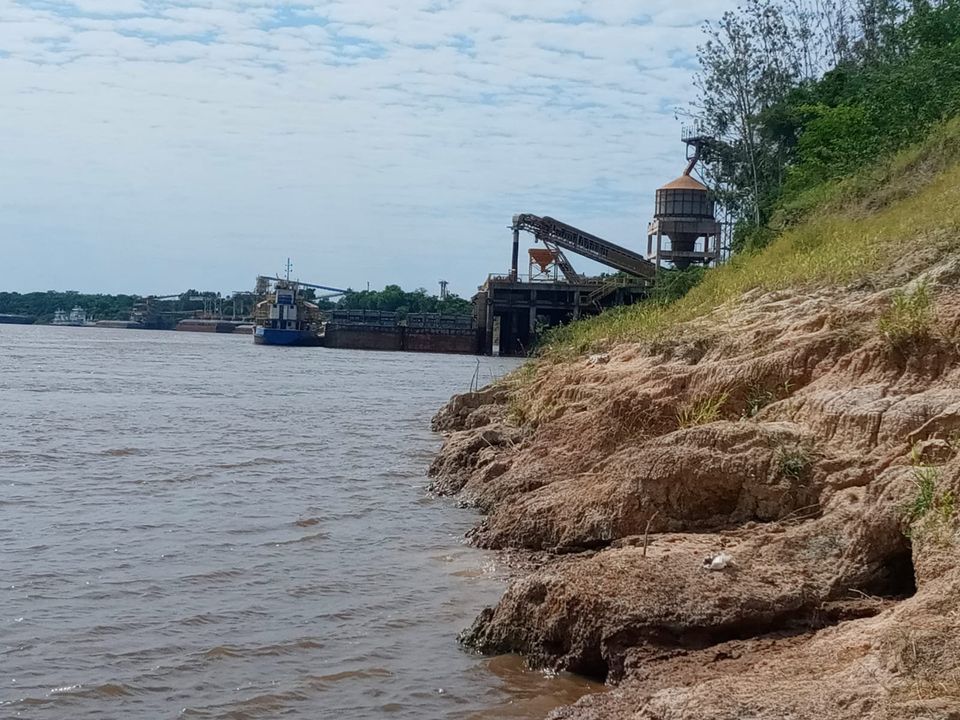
x=382 y=141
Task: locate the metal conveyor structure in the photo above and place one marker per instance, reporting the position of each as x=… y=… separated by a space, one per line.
x=555 y=233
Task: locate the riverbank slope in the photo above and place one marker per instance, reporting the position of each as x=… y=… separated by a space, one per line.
x=743 y=504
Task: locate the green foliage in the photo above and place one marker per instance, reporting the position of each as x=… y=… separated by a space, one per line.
x=749 y=238
x=759 y=395
x=834 y=141
x=747 y=65
x=393 y=298
x=892 y=178
x=909 y=319
x=672 y=285
x=701 y=411
x=801 y=96
x=925 y=479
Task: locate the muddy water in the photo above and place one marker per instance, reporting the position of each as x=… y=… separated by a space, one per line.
x=192 y=526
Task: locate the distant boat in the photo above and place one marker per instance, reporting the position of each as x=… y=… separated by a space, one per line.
x=77 y=317
x=285 y=318
x=9 y=319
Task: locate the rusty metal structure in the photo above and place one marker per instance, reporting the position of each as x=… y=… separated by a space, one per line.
x=685 y=214
x=544 y=265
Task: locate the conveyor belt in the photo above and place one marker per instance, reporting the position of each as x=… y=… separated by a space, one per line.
x=590 y=246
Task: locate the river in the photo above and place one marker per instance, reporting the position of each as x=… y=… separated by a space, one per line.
x=192 y=526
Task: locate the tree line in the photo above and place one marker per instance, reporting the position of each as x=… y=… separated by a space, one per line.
x=800 y=93
x=393 y=298
x=42 y=305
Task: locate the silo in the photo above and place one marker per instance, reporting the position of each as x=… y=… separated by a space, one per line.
x=685 y=213
x=682 y=207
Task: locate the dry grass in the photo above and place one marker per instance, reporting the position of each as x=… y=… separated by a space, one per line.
x=922 y=660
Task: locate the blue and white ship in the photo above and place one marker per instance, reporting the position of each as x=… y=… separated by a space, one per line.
x=286 y=318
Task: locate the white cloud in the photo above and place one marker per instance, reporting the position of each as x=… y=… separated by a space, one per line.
x=381 y=141
x=109 y=7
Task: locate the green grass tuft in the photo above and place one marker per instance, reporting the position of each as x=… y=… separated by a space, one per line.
x=931 y=514
x=701 y=411
x=908 y=321
x=794 y=463
x=759 y=395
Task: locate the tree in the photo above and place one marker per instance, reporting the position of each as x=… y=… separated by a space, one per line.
x=394 y=299
x=801 y=93
x=748 y=64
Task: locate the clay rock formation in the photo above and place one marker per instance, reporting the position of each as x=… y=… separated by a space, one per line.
x=786 y=433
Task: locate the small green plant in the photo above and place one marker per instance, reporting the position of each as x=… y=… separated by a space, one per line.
x=759 y=396
x=909 y=319
x=925 y=479
x=757 y=399
x=794 y=462
x=701 y=411
x=523 y=375
x=931 y=514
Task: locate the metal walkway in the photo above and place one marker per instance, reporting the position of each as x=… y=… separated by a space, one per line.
x=554 y=232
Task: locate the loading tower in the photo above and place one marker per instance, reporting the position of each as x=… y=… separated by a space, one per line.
x=685 y=214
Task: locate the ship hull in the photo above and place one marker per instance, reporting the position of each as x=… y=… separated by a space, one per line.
x=272 y=336
x=17 y=319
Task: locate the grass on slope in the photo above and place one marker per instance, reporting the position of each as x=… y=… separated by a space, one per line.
x=853 y=228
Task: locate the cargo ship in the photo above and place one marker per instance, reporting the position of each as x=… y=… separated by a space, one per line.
x=286 y=318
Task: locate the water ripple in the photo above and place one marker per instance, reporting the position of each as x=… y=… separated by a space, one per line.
x=201 y=527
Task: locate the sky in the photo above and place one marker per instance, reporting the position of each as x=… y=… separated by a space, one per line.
x=150 y=146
